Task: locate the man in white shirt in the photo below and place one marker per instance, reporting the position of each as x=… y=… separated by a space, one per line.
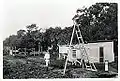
x=47 y=57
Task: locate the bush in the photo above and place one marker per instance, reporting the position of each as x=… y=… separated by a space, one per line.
x=5 y=51
x=57 y=63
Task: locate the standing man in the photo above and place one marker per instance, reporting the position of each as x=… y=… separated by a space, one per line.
x=11 y=52
x=47 y=57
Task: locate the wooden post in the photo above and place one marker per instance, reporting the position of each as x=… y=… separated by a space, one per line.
x=34 y=51
x=59 y=56
x=12 y=50
x=65 y=66
x=25 y=51
x=106 y=65
x=15 y=50
x=72 y=34
x=69 y=47
x=39 y=49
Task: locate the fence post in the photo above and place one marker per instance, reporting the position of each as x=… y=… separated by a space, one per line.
x=106 y=65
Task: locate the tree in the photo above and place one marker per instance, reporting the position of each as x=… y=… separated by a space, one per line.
x=21 y=33
x=31 y=28
x=99 y=22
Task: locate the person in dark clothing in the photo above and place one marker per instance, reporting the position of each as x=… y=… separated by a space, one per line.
x=76 y=17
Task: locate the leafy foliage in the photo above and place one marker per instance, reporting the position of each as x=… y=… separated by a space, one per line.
x=97 y=22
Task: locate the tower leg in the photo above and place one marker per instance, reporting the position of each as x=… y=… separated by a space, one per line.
x=65 y=66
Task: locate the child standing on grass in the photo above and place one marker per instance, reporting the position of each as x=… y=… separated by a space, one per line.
x=47 y=57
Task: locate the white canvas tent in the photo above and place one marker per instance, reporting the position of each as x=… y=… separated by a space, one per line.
x=97 y=52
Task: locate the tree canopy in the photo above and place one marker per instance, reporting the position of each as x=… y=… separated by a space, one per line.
x=98 y=22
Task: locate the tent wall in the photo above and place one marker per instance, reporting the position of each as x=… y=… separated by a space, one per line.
x=93 y=50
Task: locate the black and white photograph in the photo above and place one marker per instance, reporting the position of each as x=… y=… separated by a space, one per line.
x=60 y=39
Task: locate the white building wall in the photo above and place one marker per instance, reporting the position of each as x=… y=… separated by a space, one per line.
x=78 y=54
x=63 y=49
x=108 y=52
x=93 y=51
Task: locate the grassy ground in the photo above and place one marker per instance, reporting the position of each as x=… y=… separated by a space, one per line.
x=33 y=67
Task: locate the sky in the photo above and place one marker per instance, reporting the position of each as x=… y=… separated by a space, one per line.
x=17 y=14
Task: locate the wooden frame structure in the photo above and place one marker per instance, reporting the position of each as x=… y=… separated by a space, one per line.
x=84 y=61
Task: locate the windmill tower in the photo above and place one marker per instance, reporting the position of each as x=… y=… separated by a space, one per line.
x=84 y=60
